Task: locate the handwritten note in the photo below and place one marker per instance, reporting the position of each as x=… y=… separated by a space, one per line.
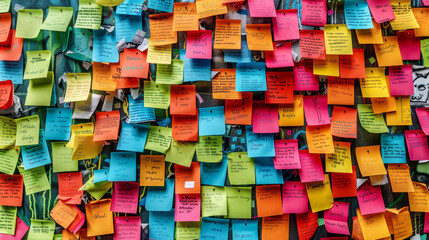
x=68 y=187
x=314 y=13
x=357 y=15
x=336 y=218
x=125 y=197
x=188 y=207
x=285 y=25
x=152 y=169
x=417 y=145
x=259 y=37
x=295 y=199
x=58 y=19
x=89 y=15
x=99 y=218
x=370 y=199
x=27 y=131
x=286 y=154
x=281 y=56
x=223 y=85
x=312 y=44
x=11 y=190
x=388 y=53
x=338 y=39
x=370 y=161
x=161 y=26
x=185 y=17
x=371 y=122
x=213 y=201
x=381 y=10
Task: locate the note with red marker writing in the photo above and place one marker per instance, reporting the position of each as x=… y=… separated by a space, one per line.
x=295 y=199
x=199 y=44
x=285 y=25
x=187 y=208
x=316 y=110
x=336 y=218
x=417 y=145
x=286 y=154
x=370 y=199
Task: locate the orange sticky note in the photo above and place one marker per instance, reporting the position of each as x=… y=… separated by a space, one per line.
x=121 y=82
x=6 y=94
x=353 y=66
x=370 y=36
x=208 y=8
x=102 y=78
x=307 y=225
x=134 y=64
x=182 y=100
x=11 y=49
x=152 y=170
x=185 y=16
x=99 y=218
x=259 y=37
x=402 y=226
x=344 y=122
x=11 y=190
x=185 y=128
x=188 y=179
x=292 y=115
x=341 y=91
x=388 y=53
x=63 y=214
x=106 y=125
x=344 y=184
x=227 y=34
x=269 y=200
x=373 y=226
x=402 y=115
x=239 y=112
x=312 y=44
x=279 y=88
x=161 y=29
x=68 y=187
x=370 y=161
x=275 y=227
x=422 y=17
x=400 y=179
x=419 y=199
x=319 y=139
x=5 y=24
x=223 y=84
x=67 y=235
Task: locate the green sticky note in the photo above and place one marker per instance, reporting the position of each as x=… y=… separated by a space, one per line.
x=373 y=123
x=35 y=180
x=96 y=190
x=170 y=73
x=241 y=169
x=58 y=237
x=181 y=153
x=423 y=237
x=158 y=139
x=39 y=91
x=424 y=46
x=89 y=15
x=58 y=19
x=156 y=95
x=37 y=64
x=188 y=230
x=239 y=202
x=4 y=6
x=7 y=132
x=321 y=221
x=62 y=158
x=8 y=160
x=7 y=220
x=41 y=229
x=27 y=131
x=209 y=149
x=213 y=201
x=28 y=23
x=371 y=60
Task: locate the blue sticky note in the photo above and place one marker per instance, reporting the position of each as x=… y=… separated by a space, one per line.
x=211 y=121
x=161 y=5
x=138 y=112
x=266 y=173
x=357 y=15
x=133 y=137
x=36 y=155
x=101 y=175
x=393 y=148
x=259 y=144
x=58 y=122
x=214 y=229
x=130 y=7
x=243 y=55
x=250 y=77
x=245 y=229
x=195 y=69
x=127 y=26
x=214 y=174
x=12 y=70
x=122 y=167
x=104 y=47
x=160 y=199
x=161 y=225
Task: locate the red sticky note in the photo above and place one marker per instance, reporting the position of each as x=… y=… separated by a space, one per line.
x=11 y=49
x=199 y=44
x=307 y=225
x=265 y=118
x=336 y=218
x=183 y=100
x=370 y=199
x=381 y=10
x=68 y=187
x=78 y=222
x=312 y=44
x=316 y=110
x=125 y=197
x=6 y=94
x=188 y=179
x=134 y=64
x=344 y=184
x=311 y=167
x=409 y=45
x=295 y=199
x=187 y=208
x=185 y=128
x=11 y=190
x=239 y=111
x=5 y=24
x=401 y=80
x=106 y=125
x=304 y=79
x=285 y=25
x=286 y=154
x=279 y=88
x=281 y=56
x=261 y=8
x=20 y=230
x=353 y=66
x=423 y=115
x=314 y=13
x=417 y=144
x=127 y=227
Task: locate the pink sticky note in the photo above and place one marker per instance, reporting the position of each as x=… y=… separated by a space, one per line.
x=417 y=144
x=311 y=167
x=314 y=13
x=285 y=25
x=409 y=45
x=127 y=227
x=426 y=223
x=381 y=10
x=261 y=8
x=78 y=222
x=423 y=115
x=370 y=199
x=286 y=154
x=125 y=197
x=265 y=117
x=281 y=56
x=187 y=208
x=401 y=80
x=295 y=199
x=304 y=79
x=20 y=230
x=316 y=110
x=425 y=2
x=199 y=44
x=336 y=218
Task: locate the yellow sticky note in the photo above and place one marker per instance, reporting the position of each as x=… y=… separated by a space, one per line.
x=213 y=201
x=27 y=131
x=158 y=54
x=96 y=190
x=89 y=15
x=188 y=230
x=341 y=160
x=37 y=64
x=328 y=67
x=156 y=95
x=9 y=159
x=373 y=226
x=373 y=123
x=338 y=39
x=8 y=132
x=402 y=115
x=370 y=161
x=78 y=86
x=28 y=23
x=320 y=195
x=4 y=6
x=374 y=85
x=39 y=91
x=84 y=128
x=404 y=17
x=388 y=53
x=292 y=115
x=370 y=36
x=58 y=19
x=85 y=148
x=181 y=153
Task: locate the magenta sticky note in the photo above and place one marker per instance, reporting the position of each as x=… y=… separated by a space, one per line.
x=370 y=199
x=286 y=154
x=426 y=223
x=281 y=56
x=316 y=110
x=311 y=167
x=336 y=218
x=125 y=197
x=294 y=196
x=423 y=116
x=425 y=2
x=20 y=230
x=261 y=8
x=265 y=117
x=314 y=13
x=285 y=25
x=127 y=227
x=381 y=10
x=417 y=144
x=304 y=79
x=409 y=45
x=199 y=44
x=401 y=80
x=187 y=208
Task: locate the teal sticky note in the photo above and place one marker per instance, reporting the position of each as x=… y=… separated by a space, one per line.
x=160 y=199
x=104 y=48
x=393 y=148
x=214 y=174
x=130 y=7
x=78 y=46
x=138 y=112
x=266 y=173
x=211 y=121
x=243 y=55
x=245 y=229
x=36 y=155
x=161 y=5
x=214 y=229
x=127 y=26
x=357 y=15
x=12 y=70
x=133 y=137
x=250 y=77
x=259 y=144
x=101 y=175
x=161 y=225
x=123 y=167
x=195 y=69
x=58 y=122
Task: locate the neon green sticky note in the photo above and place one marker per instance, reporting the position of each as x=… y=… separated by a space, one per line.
x=373 y=123
x=27 y=131
x=89 y=15
x=35 y=180
x=4 y=6
x=170 y=73
x=62 y=158
x=7 y=132
x=58 y=19
x=239 y=201
x=371 y=60
x=41 y=229
x=28 y=23
x=96 y=190
x=213 y=201
x=188 y=230
x=39 y=91
x=241 y=169
x=156 y=95
x=8 y=220
x=209 y=149
x=37 y=65
x=180 y=153
x=158 y=139
x=424 y=47
x=8 y=160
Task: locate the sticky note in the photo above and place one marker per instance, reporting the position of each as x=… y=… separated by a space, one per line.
x=84 y=147
x=388 y=53
x=213 y=201
x=259 y=37
x=96 y=190
x=245 y=229
x=239 y=111
x=11 y=190
x=275 y=227
x=241 y=169
x=286 y=154
x=314 y=13
x=357 y=15
x=307 y=224
x=421 y=17
x=195 y=69
x=281 y=56
x=214 y=173
x=130 y=7
x=341 y=160
x=85 y=109
x=199 y=44
x=344 y=122
x=99 y=218
x=102 y=78
x=104 y=49
x=294 y=196
x=328 y=67
x=419 y=198
x=265 y=118
x=36 y=155
x=265 y=172
x=156 y=95
x=68 y=187
x=133 y=137
x=213 y=117
x=185 y=128
x=259 y=145
x=188 y=208
x=353 y=66
x=11 y=51
x=370 y=36
x=106 y=125
x=4 y=6
x=404 y=17
x=35 y=180
x=158 y=139
x=209 y=149
x=370 y=199
x=400 y=179
x=158 y=54
x=344 y=184
x=187 y=179
x=401 y=80
x=122 y=166
x=208 y=8
x=224 y=86
x=409 y=45
x=182 y=100
x=27 y=130
x=268 y=200
x=370 y=161
x=402 y=115
x=12 y=70
x=319 y=139
x=41 y=229
x=181 y=153
x=381 y=10
x=125 y=197
x=423 y=114
x=40 y=91
x=162 y=225
x=170 y=74
x=185 y=16
x=239 y=202
x=373 y=226
x=161 y=26
x=127 y=227
x=417 y=145
x=304 y=79
x=227 y=34
x=134 y=64
x=238 y=55
x=312 y=44
x=58 y=19
x=393 y=148
x=28 y=23
x=160 y=199
x=338 y=39
x=8 y=160
x=138 y=112
x=214 y=228
x=340 y=91
x=163 y=6
x=250 y=77
x=188 y=230
x=20 y=230
x=58 y=122
x=6 y=91
x=78 y=86
x=311 y=167
x=292 y=115
x=371 y=122
x=262 y=8
x=63 y=214
x=320 y=195
x=89 y=15
x=37 y=64
x=285 y=25
x=152 y=170
x=336 y=218
x=316 y=110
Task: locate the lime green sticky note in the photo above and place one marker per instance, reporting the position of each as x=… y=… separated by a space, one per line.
x=209 y=149
x=170 y=73
x=39 y=91
x=109 y=3
x=241 y=169
x=8 y=220
x=41 y=229
x=28 y=23
x=424 y=47
x=156 y=95
x=96 y=190
x=213 y=201
x=373 y=123
x=89 y=15
x=371 y=60
x=8 y=160
x=58 y=237
x=7 y=132
x=181 y=153
x=58 y=19
x=188 y=230
x=35 y=180
x=239 y=200
x=158 y=139
x=62 y=158
x=37 y=64
x=27 y=131
x=4 y=6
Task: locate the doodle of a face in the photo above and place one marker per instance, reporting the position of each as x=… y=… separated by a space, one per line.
x=421 y=88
